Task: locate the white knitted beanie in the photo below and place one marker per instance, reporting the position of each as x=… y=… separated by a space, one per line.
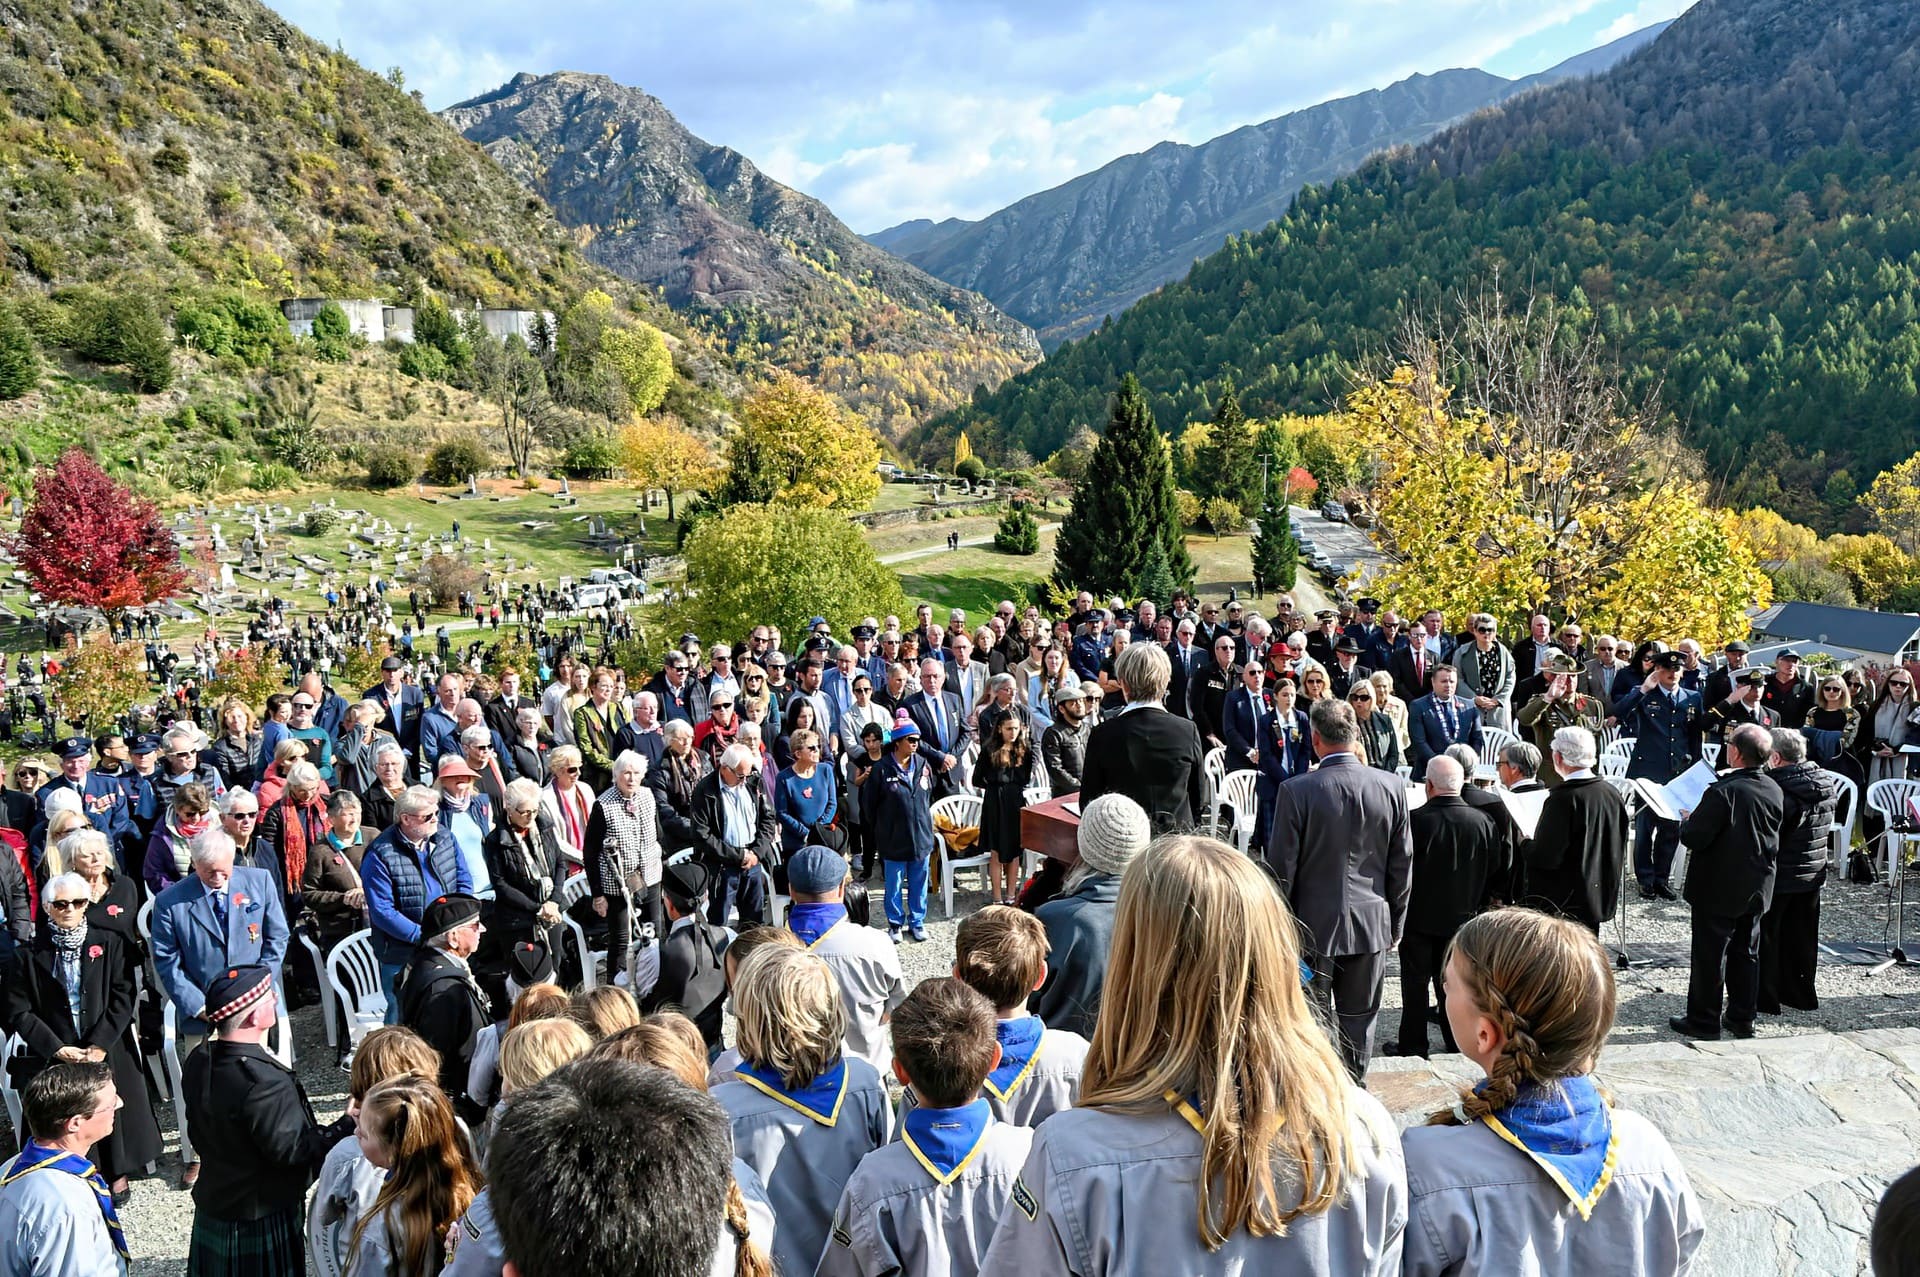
x=1113 y=829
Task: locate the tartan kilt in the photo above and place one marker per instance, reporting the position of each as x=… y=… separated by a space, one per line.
x=271 y=1246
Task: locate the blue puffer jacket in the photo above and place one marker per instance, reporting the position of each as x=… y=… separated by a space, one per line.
x=397 y=890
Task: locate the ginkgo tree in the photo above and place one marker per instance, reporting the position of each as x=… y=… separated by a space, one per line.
x=87 y=541
x=1514 y=473
x=660 y=452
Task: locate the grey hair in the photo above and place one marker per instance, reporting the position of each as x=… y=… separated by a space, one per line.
x=629 y=761
x=1334 y=722
x=1445 y=775
x=569 y=755
x=738 y=758
x=751 y=732
x=342 y=800
x=1576 y=747
x=388 y=745
x=416 y=800
x=673 y=729
x=226 y=800
x=1522 y=756
x=999 y=681
x=1466 y=755
x=1258 y=625
x=302 y=774
x=187 y=732
x=211 y=844
x=63 y=882
x=523 y=795
x=79 y=840
x=1482 y=618
x=1297 y=639
x=1144 y=670
x=1790 y=744
x=478 y=734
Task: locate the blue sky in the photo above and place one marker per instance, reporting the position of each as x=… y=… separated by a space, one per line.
x=892 y=109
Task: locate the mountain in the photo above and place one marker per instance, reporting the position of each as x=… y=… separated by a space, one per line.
x=1064 y=259
x=1735 y=205
x=191 y=142
x=775 y=270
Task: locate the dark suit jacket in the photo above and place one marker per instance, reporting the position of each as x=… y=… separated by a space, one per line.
x=1734 y=836
x=920 y=709
x=1240 y=727
x=500 y=718
x=403 y=716
x=1154 y=758
x=1571 y=866
x=1405 y=685
x=1458 y=852
x=693 y=976
x=1427 y=736
x=1177 y=683
x=254 y=1130
x=1342 y=850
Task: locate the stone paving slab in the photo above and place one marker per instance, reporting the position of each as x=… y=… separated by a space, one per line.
x=1789 y=1141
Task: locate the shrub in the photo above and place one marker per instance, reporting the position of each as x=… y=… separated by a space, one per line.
x=19 y=361
x=272 y=476
x=1224 y=517
x=1187 y=506
x=332 y=334
x=390 y=466
x=453 y=461
x=322 y=521
x=1019 y=532
x=591 y=457
x=446 y=576
x=972 y=470
x=172 y=159
x=424 y=362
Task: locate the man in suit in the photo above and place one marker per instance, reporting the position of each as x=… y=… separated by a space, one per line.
x=1666 y=723
x=1438 y=720
x=1571 y=865
x=1530 y=653
x=1365 y=628
x=1734 y=836
x=734 y=833
x=1346 y=669
x=218 y=917
x=1144 y=752
x=1186 y=660
x=1458 y=853
x=1607 y=673
x=502 y=710
x=1209 y=687
x=944 y=730
x=1412 y=669
x=1322 y=641
x=1744 y=706
x=1341 y=848
x=1720 y=682
x=440 y=723
x=1243 y=715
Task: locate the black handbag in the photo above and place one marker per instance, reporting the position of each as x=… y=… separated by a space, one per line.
x=832 y=837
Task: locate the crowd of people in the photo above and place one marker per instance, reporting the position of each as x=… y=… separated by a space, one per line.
x=622 y=932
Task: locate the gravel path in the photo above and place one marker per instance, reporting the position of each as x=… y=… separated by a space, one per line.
x=159 y=1218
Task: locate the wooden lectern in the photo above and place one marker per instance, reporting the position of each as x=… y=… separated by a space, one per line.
x=1052 y=830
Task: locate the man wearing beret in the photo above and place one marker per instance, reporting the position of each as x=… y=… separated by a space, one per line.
x=693 y=971
x=103 y=798
x=254 y=1131
x=1666 y=722
x=441 y=1000
x=1559 y=704
x=864 y=961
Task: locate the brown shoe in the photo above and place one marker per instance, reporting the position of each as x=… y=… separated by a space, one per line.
x=190 y=1176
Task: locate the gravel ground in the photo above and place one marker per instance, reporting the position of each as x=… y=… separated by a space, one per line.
x=159 y=1218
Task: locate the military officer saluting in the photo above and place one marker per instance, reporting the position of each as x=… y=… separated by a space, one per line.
x=1746 y=705
x=103 y=798
x=1666 y=722
x=1558 y=706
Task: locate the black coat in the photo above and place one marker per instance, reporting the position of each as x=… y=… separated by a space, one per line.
x=1572 y=864
x=693 y=976
x=1810 y=798
x=1457 y=854
x=442 y=1003
x=1342 y=850
x=253 y=1128
x=1734 y=836
x=1153 y=758
x=516 y=895
x=709 y=820
x=37 y=1010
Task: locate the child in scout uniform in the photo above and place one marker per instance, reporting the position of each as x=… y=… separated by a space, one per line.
x=1535 y=1160
x=930 y=1203
x=804 y=1113
x=864 y=961
x=1001 y=953
x=1216 y=1130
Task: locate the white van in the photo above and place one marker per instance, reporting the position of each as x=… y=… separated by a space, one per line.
x=616 y=576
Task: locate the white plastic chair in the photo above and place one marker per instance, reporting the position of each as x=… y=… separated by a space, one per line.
x=1890 y=798
x=1213 y=775
x=14 y=1046
x=1239 y=797
x=1492 y=741
x=572 y=892
x=326 y=986
x=354 y=973
x=1615 y=757
x=1846 y=813
x=963 y=810
x=147 y=980
x=964 y=763
x=1629 y=794
x=170 y=1053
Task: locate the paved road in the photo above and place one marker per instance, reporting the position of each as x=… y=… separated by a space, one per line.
x=905 y=556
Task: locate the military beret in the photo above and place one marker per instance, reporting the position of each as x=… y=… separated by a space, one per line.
x=236 y=989
x=529 y=962
x=685 y=884
x=446 y=912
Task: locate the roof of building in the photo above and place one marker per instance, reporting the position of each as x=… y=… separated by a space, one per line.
x=1857 y=628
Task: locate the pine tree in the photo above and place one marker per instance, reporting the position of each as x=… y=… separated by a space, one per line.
x=1226 y=466
x=142 y=344
x=1155 y=581
x=19 y=362
x=1276 y=555
x=1123 y=504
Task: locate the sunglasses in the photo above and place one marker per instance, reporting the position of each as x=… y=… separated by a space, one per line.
x=1483 y=629
x=303 y=704
x=181 y=753
x=860 y=689
x=244 y=815
x=1360 y=696
x=1898 y=682
x=68 y=904
x=723 y=705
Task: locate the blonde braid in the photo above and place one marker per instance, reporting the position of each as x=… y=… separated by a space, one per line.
x=748 y=1259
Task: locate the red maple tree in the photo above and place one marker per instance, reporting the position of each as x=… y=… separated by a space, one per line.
x=1301 y=485
x=88 y=541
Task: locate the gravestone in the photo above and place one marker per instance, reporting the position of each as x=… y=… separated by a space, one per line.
x=226 y=577
x=566 y=489
x=17 y=508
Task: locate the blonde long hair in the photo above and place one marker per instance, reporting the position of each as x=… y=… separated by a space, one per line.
x=1203 y=999
x=433 y=1179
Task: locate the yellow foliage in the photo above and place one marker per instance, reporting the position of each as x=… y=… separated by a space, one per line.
x=660 y=452
x=807 y=448
x=1894 y=502
x=1773 y=536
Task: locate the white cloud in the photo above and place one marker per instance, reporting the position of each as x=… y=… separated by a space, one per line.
x=890 y=109
x=1645 y=16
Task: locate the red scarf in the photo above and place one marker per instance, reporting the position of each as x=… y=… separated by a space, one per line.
x=293 y=838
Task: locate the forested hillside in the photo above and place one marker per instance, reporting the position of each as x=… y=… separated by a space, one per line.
x=1738 y=205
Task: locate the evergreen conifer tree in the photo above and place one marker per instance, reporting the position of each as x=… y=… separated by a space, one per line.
x=142 y=344
x=1123 y=504
x=1226 y=466
x=1156 y=579
x=1276 y=555
x=19 y=361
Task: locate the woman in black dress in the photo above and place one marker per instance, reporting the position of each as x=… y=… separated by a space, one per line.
x=1003 y=772
x=70 y=997
x=523 y=858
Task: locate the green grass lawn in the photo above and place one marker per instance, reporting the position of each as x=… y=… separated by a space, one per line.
x=975 y=578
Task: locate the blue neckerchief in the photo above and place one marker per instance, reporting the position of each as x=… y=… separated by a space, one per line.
x=37 y=1156
x=945 y=1140
x=1019 y=1048
x=819 y=1099
x=811 y=922
x=1567 y=1129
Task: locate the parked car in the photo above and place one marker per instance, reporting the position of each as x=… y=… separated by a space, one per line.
x=1334 y=512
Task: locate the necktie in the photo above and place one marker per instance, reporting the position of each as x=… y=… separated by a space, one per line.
x=940 y=724
x=1453 y=726
x=1420 y=663
x=220 y=910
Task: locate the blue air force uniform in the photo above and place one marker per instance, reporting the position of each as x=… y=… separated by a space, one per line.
x=1667 y=729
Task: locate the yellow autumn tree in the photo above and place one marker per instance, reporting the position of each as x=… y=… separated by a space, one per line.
x=660 y=452
x=1894 y=502
x=962 y=449
x=639 y=354
x=1774 y=536
x=797 y=446
x=1873 y=564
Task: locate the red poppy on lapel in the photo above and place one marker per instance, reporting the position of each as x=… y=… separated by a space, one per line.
x=94 y=951
x=114 y=911
x=253 y=932
x=240 y=898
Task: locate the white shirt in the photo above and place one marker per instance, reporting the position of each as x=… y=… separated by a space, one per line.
x=51 y=1226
